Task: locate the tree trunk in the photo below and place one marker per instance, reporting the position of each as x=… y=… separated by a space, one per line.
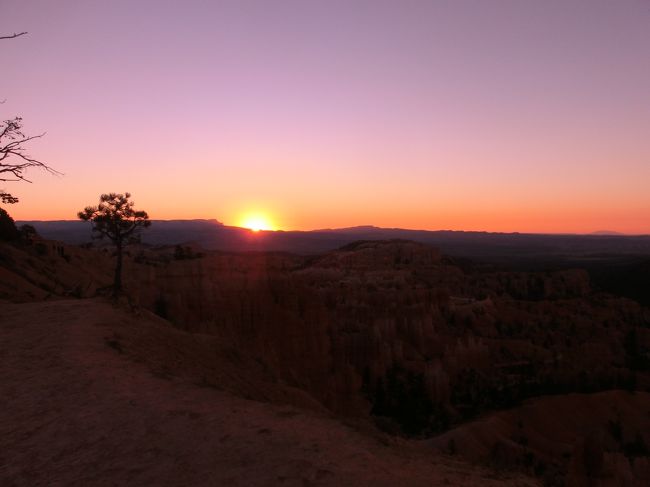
x=117 y=283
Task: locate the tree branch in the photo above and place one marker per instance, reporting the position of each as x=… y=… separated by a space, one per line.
x=13 y=36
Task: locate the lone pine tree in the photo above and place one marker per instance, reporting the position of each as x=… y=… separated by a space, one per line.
x=116 y=219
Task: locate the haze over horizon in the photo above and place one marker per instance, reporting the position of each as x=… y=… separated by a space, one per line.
x=466 y=115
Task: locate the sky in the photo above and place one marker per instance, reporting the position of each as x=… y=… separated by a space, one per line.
x=496 y=115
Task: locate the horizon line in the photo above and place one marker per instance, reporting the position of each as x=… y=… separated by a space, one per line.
x=595 y=233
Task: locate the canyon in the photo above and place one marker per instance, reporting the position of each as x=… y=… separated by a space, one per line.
x=456 y=359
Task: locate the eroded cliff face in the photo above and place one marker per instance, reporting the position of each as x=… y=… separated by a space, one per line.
x=395 y=330
x=391 y=329
x=321 y=323
x=572 y=439
x=39 y=269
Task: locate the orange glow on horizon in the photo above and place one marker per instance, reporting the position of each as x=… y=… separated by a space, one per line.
x=256 y=222
x=310 y=212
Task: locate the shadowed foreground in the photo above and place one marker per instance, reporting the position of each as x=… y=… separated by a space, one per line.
x=79 y=410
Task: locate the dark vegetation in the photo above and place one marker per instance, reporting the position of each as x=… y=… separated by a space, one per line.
x=629 y=278
x=116 y=219
x=8 y=230
x=183 y=252
x=402 y=399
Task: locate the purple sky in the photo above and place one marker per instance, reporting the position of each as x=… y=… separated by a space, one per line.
x=505 y=115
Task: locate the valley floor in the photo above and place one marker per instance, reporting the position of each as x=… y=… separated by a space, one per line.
x=77 y=411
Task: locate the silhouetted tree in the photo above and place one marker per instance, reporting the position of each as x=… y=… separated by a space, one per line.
x=14 y=161
x=8 y=230
x=27 y=232
x=116 y=219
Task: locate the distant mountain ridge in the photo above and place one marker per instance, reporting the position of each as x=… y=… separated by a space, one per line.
x=214 y=235
x=606 y=232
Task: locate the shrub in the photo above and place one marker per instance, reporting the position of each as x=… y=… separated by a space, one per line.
x=27 y=232
x=8 y=230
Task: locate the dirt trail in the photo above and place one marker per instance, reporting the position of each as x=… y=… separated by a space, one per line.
x=75 y=411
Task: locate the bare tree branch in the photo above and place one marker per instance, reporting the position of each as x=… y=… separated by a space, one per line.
x=14 y=161
x=13 y=36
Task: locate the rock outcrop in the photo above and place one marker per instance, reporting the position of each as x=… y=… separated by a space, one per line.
x=344 y=324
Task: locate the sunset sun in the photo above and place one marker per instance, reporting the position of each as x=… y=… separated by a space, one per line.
x=257 y=222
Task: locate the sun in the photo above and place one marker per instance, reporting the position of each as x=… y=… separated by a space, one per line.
x=257 y=222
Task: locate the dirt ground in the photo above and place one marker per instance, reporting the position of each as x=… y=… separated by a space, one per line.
x=76 y=411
